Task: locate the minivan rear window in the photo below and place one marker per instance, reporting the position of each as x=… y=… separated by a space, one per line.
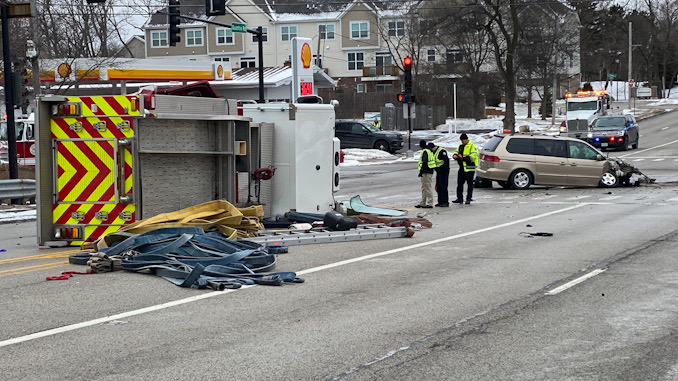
x=492 y=144
x=521 y=146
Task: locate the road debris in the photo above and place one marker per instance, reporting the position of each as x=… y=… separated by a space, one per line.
x=532 y=235
x=625 y=171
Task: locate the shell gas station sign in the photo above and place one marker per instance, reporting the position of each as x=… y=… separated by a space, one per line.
x=150 y=70
x=302 y=68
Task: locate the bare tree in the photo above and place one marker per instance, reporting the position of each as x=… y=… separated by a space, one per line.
x=467 y=53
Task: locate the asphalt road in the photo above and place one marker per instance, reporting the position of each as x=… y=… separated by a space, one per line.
x=476 y=297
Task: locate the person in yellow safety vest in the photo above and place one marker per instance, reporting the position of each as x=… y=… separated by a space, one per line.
x=442 y=168
x=376 y=123
x=426 y=165
x=467 y=157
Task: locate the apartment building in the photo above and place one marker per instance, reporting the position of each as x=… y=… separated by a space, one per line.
x=347 y=37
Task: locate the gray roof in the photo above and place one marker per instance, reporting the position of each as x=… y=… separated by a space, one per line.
x=275 y=8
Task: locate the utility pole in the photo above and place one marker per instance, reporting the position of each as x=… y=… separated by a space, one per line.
x=554 y=92
x=630 y=59
x=9 y=94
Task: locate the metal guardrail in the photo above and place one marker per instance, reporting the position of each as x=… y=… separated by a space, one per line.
x=21 y=188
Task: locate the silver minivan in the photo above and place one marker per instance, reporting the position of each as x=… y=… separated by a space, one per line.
x=520 y=160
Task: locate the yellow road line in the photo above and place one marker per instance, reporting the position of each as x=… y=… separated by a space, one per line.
x=21 y=270
x=60 y=254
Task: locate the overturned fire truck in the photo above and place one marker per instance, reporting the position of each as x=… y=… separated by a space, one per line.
x=106 y=161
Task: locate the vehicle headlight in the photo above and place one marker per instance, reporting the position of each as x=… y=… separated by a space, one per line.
x=621 y=133
x=590 y=135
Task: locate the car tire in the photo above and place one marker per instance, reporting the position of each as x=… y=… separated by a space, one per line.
x=635 y=145
x=625 y=147
x=520 y=179
x=609 y=180
x=504 y=184
x=382 y=145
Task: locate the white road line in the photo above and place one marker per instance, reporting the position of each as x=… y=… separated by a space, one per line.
x=638 y=159
x=608 y=198
x=545 y=197
x=658 y=160
x=567 y=285
x=673 y=199
x=665 y=128
x=387 y=197
x=89 y=323
x=647 y=149
x=578 y=197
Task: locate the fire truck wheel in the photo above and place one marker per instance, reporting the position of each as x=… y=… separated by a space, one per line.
x=504 y=184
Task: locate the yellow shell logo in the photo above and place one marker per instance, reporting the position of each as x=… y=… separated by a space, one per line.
x=306 y=55
x=220 y=71
x=64 y=70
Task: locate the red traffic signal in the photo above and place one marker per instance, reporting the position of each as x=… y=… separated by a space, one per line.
x=407 y=63
x=400 y=97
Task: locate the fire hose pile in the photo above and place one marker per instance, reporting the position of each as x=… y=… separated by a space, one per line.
x=193 y=247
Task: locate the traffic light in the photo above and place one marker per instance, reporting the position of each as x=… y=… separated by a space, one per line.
x=215 y=7
x=407 y=90
x=401 y=97
x=174 y=21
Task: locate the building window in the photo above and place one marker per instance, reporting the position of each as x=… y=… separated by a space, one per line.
x=248 y=62
x=384 y=59
x=361 y=88
x=454 y=55
x=222 y=59
x=287 y=33
x=194 y=37
x=396 y=28
x=360 y=29
x=326 y=31
x=431 y=55
x=384 y=88
x=356 y=61
x=159 y=39
x=264 y=35
x=225 y=37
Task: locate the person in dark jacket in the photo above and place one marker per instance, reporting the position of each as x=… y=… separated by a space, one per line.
x=426 y=165
x=442 y=168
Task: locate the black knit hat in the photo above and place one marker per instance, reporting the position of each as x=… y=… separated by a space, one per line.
x=463 y=137
x=422 y=144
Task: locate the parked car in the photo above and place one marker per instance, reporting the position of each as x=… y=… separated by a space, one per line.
x=520 y=160
x=614 y=131
x=362 y=134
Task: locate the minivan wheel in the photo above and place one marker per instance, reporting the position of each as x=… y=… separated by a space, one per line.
x=520 y=179
x=608 y=180
x=381 y=145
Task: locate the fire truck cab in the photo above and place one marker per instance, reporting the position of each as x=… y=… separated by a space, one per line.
x=25 y=140
x=583 y=107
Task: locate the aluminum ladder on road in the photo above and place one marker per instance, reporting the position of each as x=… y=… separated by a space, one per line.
x=323 y=235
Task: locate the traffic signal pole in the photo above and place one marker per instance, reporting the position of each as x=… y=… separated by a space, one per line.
x=259 y=32
x=9 y=94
